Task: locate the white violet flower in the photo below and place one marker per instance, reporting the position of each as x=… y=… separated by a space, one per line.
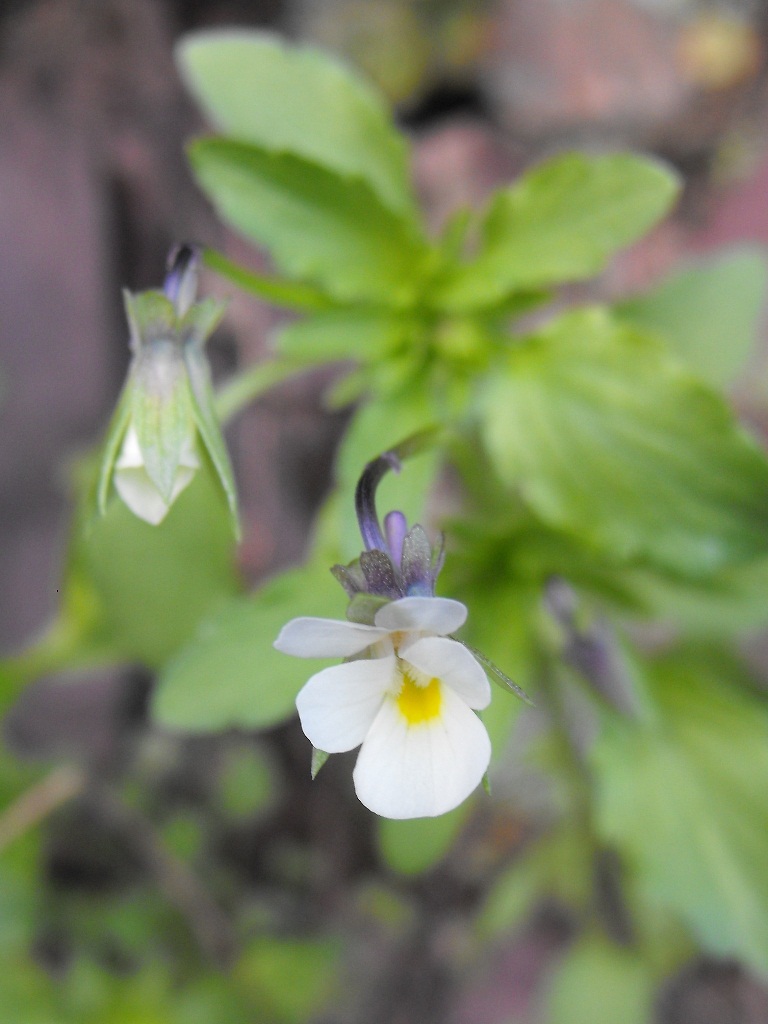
x=407 y=692
x=409 y=697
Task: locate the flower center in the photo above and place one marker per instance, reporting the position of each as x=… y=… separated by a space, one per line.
x=418 y=701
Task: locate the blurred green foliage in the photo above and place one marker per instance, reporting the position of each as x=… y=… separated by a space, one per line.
x=595 y=451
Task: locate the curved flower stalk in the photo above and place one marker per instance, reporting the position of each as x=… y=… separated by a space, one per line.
x=165 y=424
x=407 y=692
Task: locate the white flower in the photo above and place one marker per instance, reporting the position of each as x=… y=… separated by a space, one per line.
x=137 y=489
x=407 y=698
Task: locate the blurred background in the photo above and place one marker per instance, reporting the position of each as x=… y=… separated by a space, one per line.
x=94 y=190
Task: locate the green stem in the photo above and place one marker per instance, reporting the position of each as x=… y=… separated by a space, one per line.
x=37 y=803
x=239 y=392
x=569 y=755
x=421 y=441
x=292 y=295
x=610 y=902
x=242 y=389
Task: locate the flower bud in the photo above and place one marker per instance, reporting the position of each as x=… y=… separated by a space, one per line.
x=165 y=424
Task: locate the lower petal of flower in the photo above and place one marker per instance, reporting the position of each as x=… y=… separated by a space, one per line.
x=138 y=491
x=415 y=770
x=143 y=498
x=419 y=702
x=338 y=705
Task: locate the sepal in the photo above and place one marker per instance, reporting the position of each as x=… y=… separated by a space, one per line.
x=363 y=607
x=209 y=429
x=151 y=317
x=115 y=435
x=200 y=321
x=397 y=562
x=319 y=757
x=351 y=577
x=495 y=673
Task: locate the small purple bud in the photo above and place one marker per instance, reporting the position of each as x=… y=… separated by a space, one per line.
x=395 y=529
x=560 y=600
x=180 y=284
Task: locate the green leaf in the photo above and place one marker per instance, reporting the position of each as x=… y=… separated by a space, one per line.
x=293 y=979
x=379 y=427
x=275 y=290
x=561 y=221
x=416 y=845
x=249 y=781
x=284 y=98
x=733 y=601
x=510 y=899
x=608 y=437
x=559 y=865
x=136 y=591
x=503 y=610
x=598 y=983
x=684 y=797
x=229 y=674
x=709 y=314
x=318 y=225
x=362 y=334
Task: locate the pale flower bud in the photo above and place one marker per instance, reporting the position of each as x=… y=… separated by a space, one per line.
x=165 y=420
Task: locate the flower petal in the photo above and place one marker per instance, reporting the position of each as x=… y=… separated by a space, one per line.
x=423 y=770
x=138 y=491
x=130 y=456
x=140 y=495
x=338 y=705
x=428 y=614
x=451 y=663
x=309 y=637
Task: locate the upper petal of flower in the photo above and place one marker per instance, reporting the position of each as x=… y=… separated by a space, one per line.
x=309 y=637
x=415 y=771
x=425 y=614
x=451 y=663
x=338 y=705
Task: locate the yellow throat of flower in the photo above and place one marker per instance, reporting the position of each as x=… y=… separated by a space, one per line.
x=420 y=698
